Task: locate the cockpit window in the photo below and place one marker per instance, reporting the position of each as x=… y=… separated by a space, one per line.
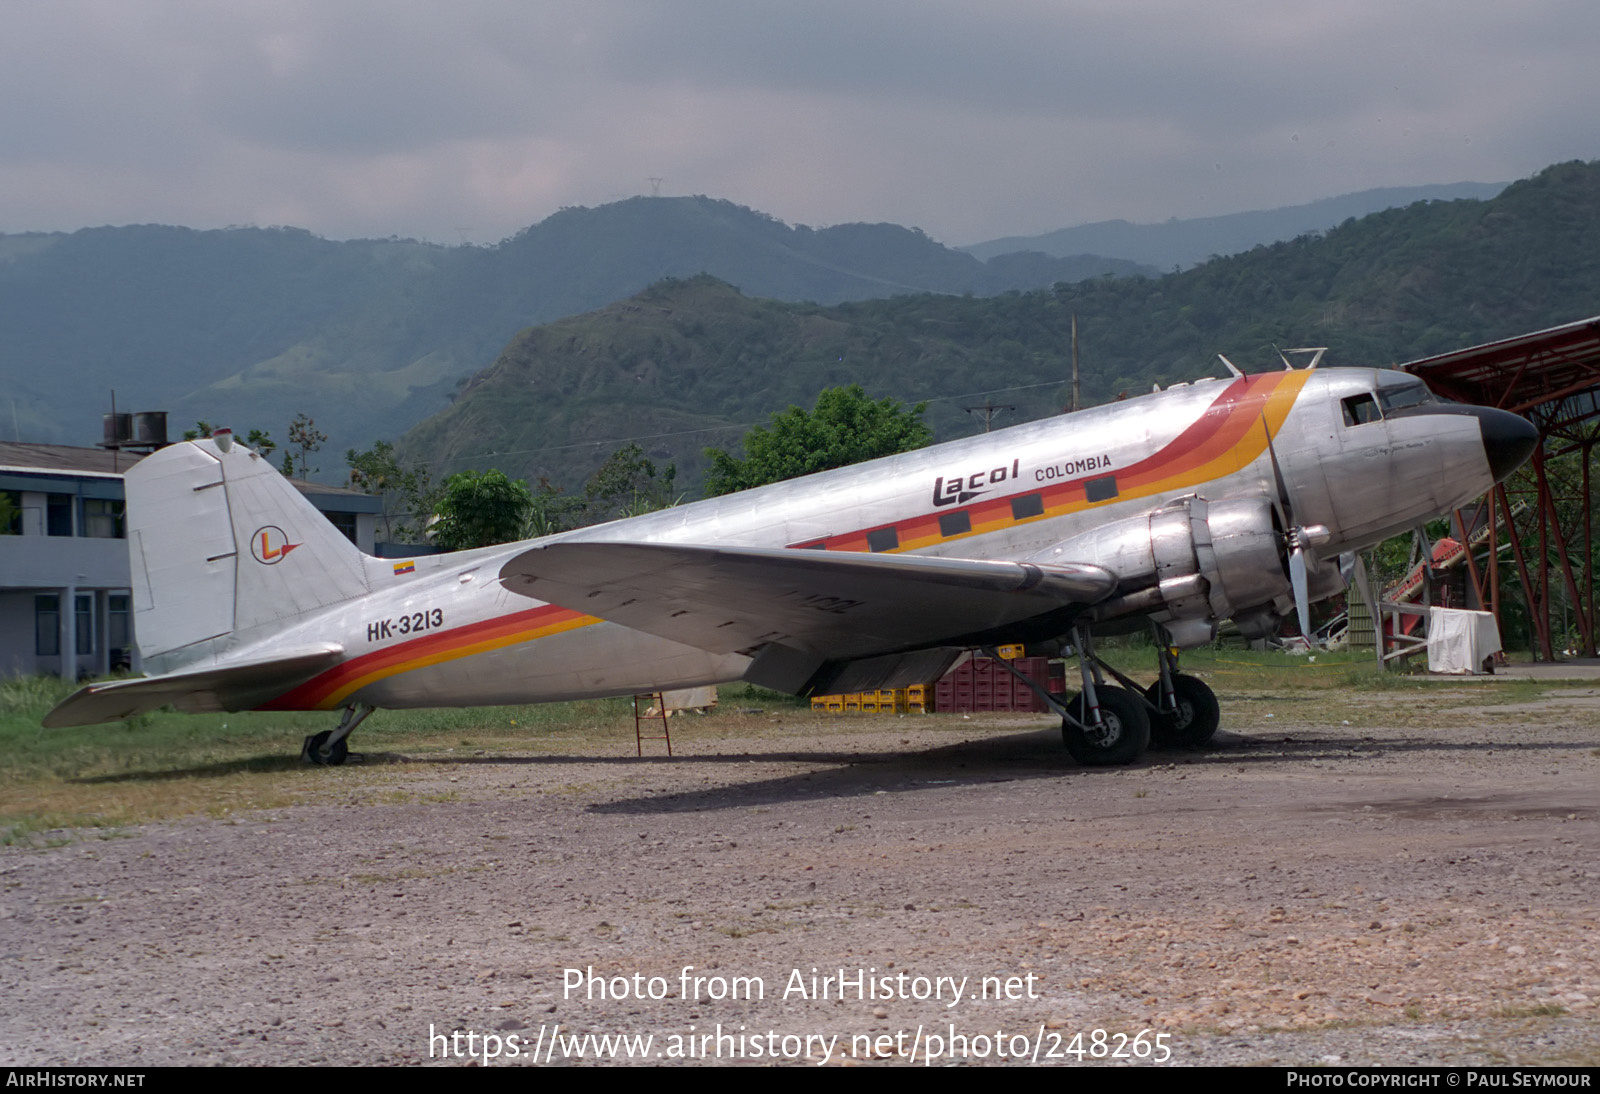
x=1411 y=393
x=1361 y=409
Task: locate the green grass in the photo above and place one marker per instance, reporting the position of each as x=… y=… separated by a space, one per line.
x=166 y=764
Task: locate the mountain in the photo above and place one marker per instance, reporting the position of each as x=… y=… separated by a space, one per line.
x=691 y=363
x=250 y=326
x=1178 y=244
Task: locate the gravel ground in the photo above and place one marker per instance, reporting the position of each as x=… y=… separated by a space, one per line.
x=1303 y=893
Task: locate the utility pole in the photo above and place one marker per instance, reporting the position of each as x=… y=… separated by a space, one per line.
x=987 y=412
x=1076 y=405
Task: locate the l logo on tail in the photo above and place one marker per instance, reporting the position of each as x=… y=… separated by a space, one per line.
x=270 y=545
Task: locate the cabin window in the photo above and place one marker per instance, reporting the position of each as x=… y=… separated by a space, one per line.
x=1403 y=395
x=955 y=524
x=883 y=539
x=1024 y=506
x=1361 y=409
x=1101 y=489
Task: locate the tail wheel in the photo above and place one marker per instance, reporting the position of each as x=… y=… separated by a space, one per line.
x=1196 y=718
x=1121 y=737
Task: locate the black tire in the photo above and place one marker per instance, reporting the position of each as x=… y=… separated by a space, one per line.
x=1195 y=720
x=335 y=755
x=1121 y=738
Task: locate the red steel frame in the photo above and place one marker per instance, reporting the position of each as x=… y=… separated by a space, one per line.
x=1552 y=378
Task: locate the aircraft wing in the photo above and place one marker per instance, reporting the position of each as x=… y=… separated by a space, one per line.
x=837 y=605
x=239 y=685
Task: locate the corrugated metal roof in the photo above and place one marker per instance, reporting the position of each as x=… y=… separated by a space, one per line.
x=1518 y=374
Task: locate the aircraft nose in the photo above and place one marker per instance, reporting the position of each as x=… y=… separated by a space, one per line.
x=1508 y=439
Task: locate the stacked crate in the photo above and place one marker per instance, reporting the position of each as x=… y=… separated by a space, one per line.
x=912 y=700
x=981 y=684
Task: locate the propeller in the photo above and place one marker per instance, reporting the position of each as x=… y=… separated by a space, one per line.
x=1297 y=538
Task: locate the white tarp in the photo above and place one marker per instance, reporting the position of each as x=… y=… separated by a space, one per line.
x=691 y=698
x=1459 y=641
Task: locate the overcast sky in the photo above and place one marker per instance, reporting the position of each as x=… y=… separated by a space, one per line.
x=473 y=119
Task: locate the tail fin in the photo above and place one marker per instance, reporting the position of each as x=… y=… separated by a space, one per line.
x=220 y=544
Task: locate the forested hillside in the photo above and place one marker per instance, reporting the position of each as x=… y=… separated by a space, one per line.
x=251 y=326
x=692 y=363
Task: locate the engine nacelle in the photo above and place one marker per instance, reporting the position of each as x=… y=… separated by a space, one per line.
x=1192 y=561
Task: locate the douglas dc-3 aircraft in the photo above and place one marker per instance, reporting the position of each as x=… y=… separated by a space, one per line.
x=1222 y=499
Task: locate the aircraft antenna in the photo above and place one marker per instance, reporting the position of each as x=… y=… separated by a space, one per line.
x=1231 y=366
x=1315 y=351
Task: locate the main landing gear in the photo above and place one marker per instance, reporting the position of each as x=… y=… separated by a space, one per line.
x=330 y=748
x=1107 y=724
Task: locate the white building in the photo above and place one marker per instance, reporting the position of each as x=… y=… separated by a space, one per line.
x=64 y=582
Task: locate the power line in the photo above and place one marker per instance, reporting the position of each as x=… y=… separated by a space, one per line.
x=709 y=428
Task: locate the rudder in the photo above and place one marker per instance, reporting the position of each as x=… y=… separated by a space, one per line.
x=220 y=544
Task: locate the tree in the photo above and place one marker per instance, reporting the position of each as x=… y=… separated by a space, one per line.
x=304 y=435
x=627 y=485
x=552 y=511
x=258 y=439
x=846 y=427
x=407 y=493
x=481 y=508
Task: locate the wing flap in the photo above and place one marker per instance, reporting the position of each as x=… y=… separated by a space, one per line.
x=240 y=685
x=841 y=605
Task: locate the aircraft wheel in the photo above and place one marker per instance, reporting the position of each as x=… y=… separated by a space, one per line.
x=1195 y=720
x=313 y=750
x=1121 y=738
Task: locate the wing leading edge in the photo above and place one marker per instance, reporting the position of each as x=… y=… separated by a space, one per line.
x=805 y=614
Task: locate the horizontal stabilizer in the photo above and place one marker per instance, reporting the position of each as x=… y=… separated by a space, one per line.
x=240 y=685
x=840 y=605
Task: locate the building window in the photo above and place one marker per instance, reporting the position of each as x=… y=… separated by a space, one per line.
x=346 y=523
x=102 y=519
x=119 y=626
x=47 y=625
x=58 y=515
x=83 y=625
x=10 y=513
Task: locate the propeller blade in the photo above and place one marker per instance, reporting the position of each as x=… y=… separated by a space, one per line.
x=1285 y=506
x=1302 y=595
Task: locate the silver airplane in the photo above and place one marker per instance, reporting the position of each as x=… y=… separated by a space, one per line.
x=1221 y=499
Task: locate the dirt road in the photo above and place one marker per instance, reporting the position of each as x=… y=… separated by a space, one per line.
x=1305 y=892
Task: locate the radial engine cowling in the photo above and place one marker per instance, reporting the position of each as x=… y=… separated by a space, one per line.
x=1191 y=561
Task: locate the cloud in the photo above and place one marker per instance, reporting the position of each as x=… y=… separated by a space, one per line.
x=377 y=118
